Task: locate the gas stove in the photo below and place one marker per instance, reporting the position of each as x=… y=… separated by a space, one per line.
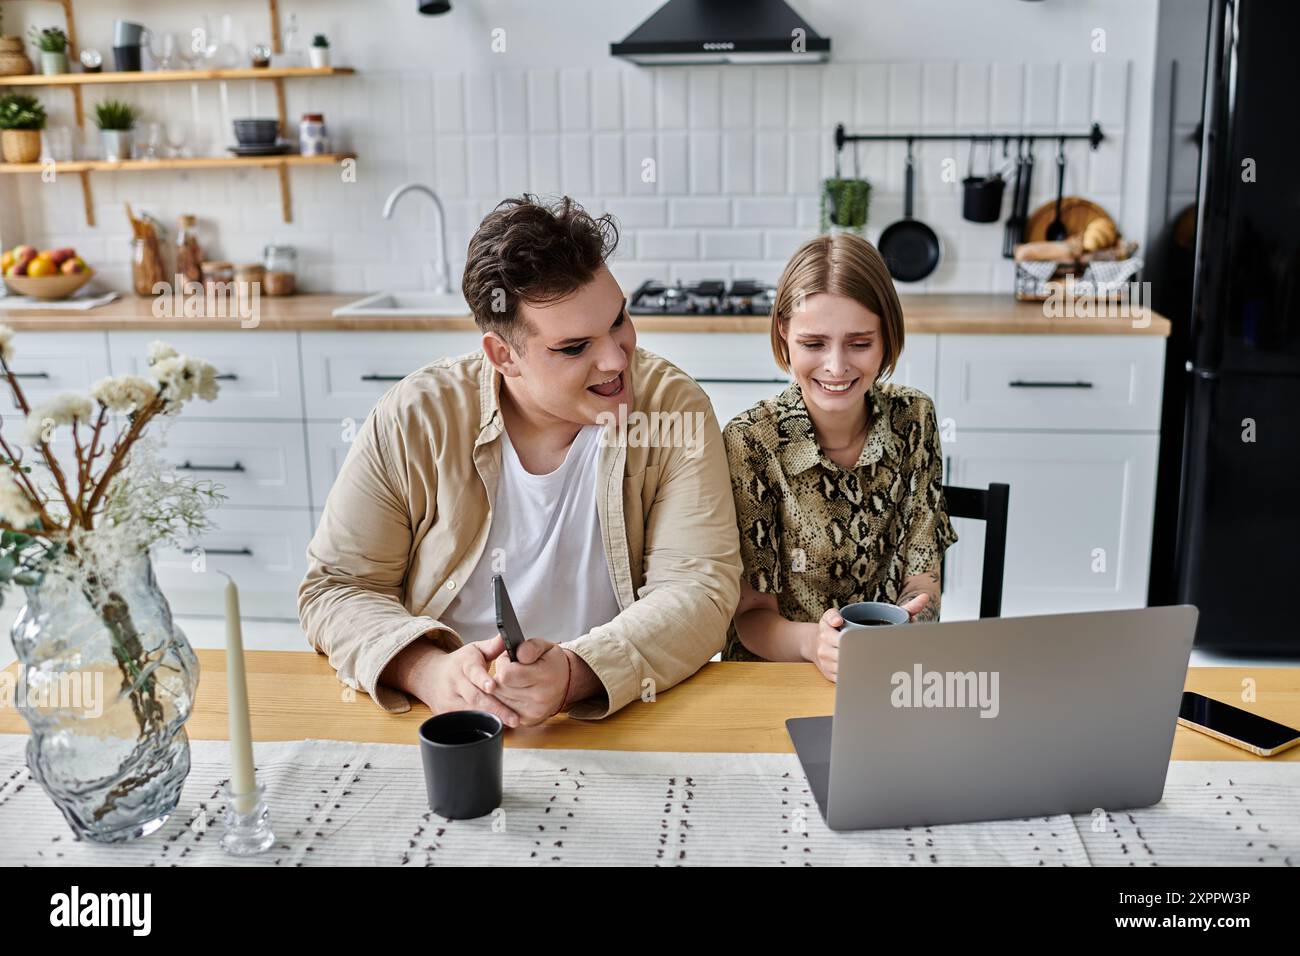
x=706 y=297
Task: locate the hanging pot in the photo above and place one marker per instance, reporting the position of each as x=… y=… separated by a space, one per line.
x=982 y=195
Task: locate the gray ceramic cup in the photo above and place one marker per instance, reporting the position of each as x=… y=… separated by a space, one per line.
x=868 y=615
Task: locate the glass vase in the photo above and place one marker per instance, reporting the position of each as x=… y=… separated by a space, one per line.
x=107 y=682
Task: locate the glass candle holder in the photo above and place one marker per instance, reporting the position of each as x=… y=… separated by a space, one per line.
x=246 y=822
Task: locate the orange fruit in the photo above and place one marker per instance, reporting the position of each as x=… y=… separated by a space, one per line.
x=42 y=266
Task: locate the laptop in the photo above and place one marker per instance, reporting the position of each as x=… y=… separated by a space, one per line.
x=999 y=718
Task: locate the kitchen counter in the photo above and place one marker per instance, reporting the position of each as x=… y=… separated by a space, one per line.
x=973 y=314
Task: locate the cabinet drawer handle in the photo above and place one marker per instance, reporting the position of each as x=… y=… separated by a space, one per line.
x=1018 y=383
x=188 y=465
x=227 y=377
x=743 y=381
x=238 y=551
x=30 y=374
x=382 y=378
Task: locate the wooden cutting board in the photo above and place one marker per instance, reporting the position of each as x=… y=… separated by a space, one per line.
x=1076 y=213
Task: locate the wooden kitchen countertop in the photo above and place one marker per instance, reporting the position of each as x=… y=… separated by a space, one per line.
x=948 y=313
x=727 y=707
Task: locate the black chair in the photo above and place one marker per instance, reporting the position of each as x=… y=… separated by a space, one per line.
x=990 y=506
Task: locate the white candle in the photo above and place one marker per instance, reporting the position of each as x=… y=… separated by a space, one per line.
x=242 y=779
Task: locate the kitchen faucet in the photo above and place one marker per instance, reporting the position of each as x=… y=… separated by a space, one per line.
x=441 y=269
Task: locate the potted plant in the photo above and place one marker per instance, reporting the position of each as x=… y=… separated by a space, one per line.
x=21 y=120
x=844 y=204
x=106 y=679
x=13 y=60
x=319 y=51
x=115 y=120
x=53 y=44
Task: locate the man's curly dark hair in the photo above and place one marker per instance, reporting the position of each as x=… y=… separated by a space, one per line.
x=527 y=250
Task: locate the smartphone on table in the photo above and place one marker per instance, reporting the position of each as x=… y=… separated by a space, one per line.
x=1235 y=726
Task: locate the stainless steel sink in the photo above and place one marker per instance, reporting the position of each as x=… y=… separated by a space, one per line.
x=407 y=303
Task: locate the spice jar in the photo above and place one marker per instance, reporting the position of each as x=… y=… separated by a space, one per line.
x=281 y=263
x=313 y=138
x=146 y=265
x=218 y=275
x=189 y=254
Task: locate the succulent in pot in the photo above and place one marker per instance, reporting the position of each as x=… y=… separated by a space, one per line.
x=21 y=120
x=115 y=120
x=319 y=51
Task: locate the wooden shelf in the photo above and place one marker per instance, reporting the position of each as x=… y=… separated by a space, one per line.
x=73 y=82
x=174 y=76
x=195 y=162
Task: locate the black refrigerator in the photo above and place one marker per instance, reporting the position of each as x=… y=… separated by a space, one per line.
x=1238 y=527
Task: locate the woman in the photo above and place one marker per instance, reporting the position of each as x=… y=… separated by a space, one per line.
x=838 y=480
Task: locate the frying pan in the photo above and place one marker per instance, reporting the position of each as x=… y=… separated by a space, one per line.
x=909 y=247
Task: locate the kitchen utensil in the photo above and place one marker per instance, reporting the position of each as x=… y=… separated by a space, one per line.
x=1025 y=184
x=1056 y=230
x=982 y=195
x=1076 y=213
x=1011 y=234
x=48 y=288
x=909 y=247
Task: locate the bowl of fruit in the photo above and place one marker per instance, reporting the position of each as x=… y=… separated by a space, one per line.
x=51 y=274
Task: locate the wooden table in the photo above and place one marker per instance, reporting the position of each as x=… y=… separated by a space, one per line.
x=731 y=707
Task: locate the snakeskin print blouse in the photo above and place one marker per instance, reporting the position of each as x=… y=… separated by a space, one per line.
x=818 y=535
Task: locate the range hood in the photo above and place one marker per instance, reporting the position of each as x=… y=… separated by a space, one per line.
x=723 y=31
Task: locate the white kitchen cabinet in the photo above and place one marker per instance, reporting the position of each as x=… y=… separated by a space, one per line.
x=1053 y=382
x=1079 y=523
x=48 y=363
x=258 y=371
x=263 y=550
x=258 y=464
x=345 y=373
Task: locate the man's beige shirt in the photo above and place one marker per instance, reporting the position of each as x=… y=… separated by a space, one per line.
x=407 y=521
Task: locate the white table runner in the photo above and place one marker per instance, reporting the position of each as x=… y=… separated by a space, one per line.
x=334 y=802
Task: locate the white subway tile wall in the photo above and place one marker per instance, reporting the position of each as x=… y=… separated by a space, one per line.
x=710 y=171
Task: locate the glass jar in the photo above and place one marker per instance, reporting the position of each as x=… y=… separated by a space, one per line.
x=281 y=263
x=313 y=137
x=146 y=265
x=189 y=253
x=248 y=277
x=218 y=276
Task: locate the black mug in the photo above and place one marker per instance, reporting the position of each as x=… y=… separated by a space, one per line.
x=461 y=751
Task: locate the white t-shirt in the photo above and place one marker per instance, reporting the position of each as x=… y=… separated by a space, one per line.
x=545 y=541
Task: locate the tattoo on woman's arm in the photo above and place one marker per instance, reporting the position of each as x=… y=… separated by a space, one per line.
x=928 y=613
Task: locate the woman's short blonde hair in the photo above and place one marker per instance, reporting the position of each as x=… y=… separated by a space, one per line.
x=842 y=264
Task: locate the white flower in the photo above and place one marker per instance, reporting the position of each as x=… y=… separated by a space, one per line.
x=126 y=393
x=159 y=350
x=6 y=343
x=15 y=506
x=183 y=378
x=59 y=410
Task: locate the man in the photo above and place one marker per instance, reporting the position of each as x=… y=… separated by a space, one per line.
x=619 y=549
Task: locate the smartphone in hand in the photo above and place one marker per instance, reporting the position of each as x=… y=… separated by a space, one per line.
x=507 y=622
